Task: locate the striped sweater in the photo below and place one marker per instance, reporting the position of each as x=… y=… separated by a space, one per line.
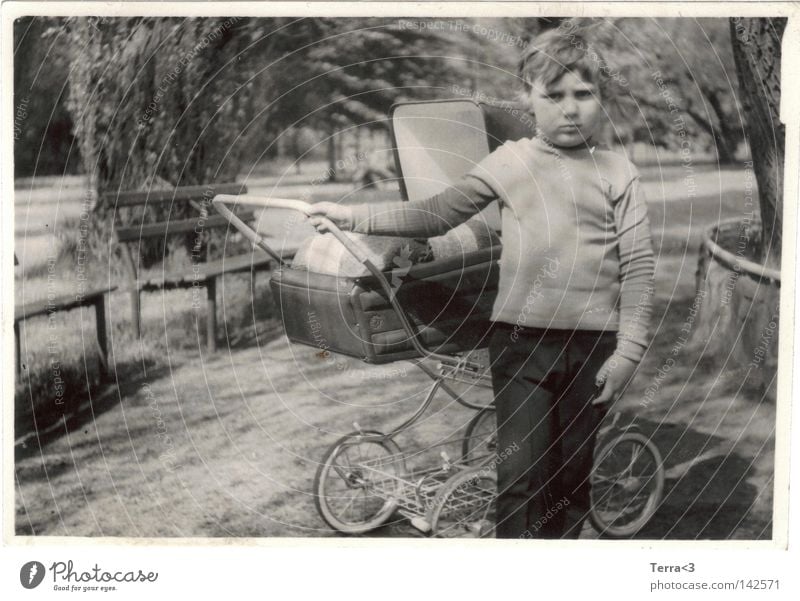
x=577 y=251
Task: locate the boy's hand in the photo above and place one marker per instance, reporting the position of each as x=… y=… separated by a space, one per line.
x=613 y=377
x=341 y=215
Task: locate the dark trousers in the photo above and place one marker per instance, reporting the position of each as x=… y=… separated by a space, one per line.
x=543 y=384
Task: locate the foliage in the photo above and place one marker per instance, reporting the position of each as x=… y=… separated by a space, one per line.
x=339 y=73
x=187 y=100
x=43 y=140
x=180 y=100
x=159 y=102
x=153 y=106
x=675 y=77
x=151 y=99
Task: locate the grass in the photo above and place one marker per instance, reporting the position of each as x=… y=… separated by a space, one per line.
x=60 y=363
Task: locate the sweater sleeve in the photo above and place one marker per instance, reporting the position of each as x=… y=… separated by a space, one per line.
x=428 y=217
x=636 y=272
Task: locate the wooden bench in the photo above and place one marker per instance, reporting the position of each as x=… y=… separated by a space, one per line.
x=197 y=274
x=95 y=298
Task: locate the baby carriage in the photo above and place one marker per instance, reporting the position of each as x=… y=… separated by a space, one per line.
x=376 y=315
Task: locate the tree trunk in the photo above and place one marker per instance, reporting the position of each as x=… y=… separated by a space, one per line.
x=332 y=154
x=738 y=316
x=726 y=153
x=727 y=134
x=757 y=53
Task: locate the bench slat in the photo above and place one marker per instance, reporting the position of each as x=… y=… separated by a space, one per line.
x=177 y=226
x=203 y=271
x=199 y=198
x=232 y=264
x=178 y=195
x=61 y=303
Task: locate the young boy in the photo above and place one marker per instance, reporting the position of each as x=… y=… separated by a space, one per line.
x=576 y=279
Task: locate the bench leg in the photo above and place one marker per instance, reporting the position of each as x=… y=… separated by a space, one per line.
x=102 y=348
x=136 y=313
x=211 y=320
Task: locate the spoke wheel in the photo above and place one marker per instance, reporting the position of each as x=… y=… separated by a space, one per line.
x=465 y=505
x=627 y=483
x=480 y=438
x=357 y=482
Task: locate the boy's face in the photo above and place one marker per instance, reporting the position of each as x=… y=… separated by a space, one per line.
x=567 y=111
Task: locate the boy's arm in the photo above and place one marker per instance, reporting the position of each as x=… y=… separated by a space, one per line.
x=636 y=272
x=428 y=217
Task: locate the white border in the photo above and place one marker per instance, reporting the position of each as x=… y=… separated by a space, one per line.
x=790 y=111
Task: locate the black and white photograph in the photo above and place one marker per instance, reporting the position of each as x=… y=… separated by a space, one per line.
x=465 y=274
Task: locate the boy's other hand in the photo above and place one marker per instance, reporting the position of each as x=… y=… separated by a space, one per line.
x=613 y=376
x=340 y=215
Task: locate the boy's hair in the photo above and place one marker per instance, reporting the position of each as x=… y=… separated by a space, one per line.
x=557 y=51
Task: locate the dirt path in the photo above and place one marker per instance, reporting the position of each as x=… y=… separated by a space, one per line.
x=228 y=446
x=225 y=446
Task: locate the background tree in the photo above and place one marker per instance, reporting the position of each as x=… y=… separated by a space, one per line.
x=757 y=51
x=155 y=99
x=154 y=103
x=694 y=60
x=740 y=309
x=329 y=74
x=181 y=100
x=347 y=73
x=43 y=140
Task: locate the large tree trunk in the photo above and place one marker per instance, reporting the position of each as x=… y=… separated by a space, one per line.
x=727 y=138
x=757 y=52
x=738 y=281
x=726 y=152
x=332 y=154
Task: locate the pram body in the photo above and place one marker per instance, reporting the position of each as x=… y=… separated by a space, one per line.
x=448 y=301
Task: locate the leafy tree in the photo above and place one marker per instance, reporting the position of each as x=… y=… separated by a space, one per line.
x=669 y=63
x=348 y=72
x=182 y=100
x=152 y=99
x=43 y=140
x=696 y=59
x=170 y=102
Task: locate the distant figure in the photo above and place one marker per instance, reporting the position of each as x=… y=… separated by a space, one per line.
x=302 y=140
x=371 y=174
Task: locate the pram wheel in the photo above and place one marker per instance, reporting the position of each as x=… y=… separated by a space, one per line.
x=356 y=483
x=465 y=505
x=480 y=438
x=627 y=483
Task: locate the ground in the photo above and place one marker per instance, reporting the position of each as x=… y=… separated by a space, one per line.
x=226 y=445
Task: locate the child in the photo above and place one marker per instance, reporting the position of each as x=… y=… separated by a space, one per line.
x=574 y=295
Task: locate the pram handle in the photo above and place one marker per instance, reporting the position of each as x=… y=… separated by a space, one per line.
x=266 y=202
x=220 y=200
x=353 y=247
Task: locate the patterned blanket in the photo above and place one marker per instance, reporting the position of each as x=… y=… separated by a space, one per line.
x=325 y=254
